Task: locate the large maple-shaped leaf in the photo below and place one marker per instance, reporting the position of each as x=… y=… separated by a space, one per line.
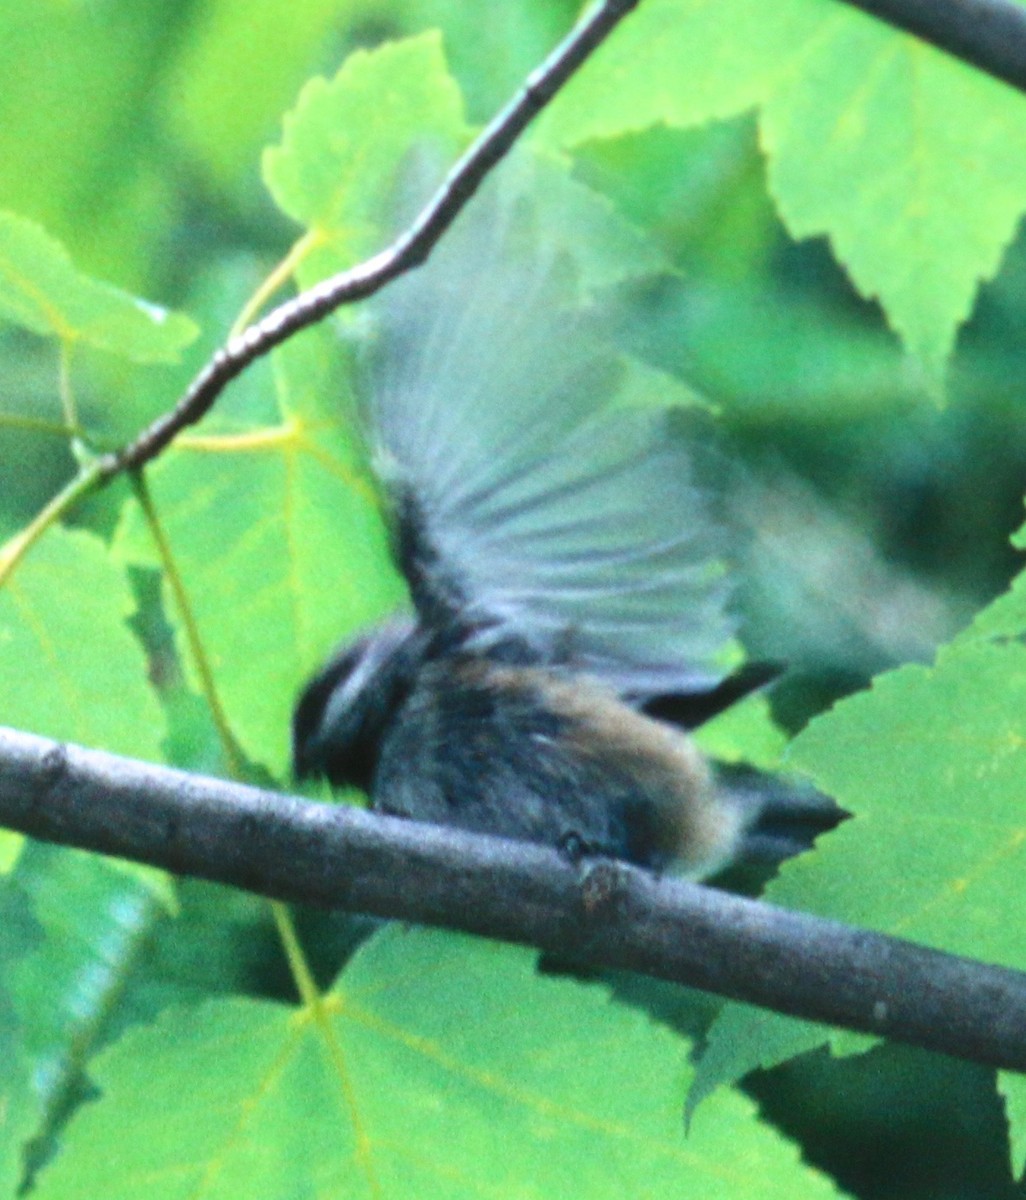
x=930 y=760
x=911 y=163
x=440 y=1067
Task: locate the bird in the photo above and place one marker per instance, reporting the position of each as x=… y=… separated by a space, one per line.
x=570 y=619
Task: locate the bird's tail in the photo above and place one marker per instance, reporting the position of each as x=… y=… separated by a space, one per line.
x=785 y=815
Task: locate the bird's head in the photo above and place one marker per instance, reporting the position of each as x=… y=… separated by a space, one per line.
x=344 y=710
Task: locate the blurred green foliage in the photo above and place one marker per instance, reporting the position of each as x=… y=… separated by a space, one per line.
x=789 y=204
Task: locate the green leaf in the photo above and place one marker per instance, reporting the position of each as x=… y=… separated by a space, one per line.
x=40 y=290
x=492 y=47
x=20 y=1107
x=745 y=732
x=1013 y=1088
x=780 y=356
x=339 y=168
x=336 y=166
x=80 y=149
x=70 y=668
x=695 y=67
x=444 y=1067
x=701 y=192
x=930 y=762
x=10 y=850
x=896 y=152
x=95 y=918
x=279 y=542
x=222 y=942
x=768 y=344
x=607 y=247
x=912 y=158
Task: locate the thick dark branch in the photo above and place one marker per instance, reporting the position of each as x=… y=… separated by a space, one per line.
x=605 y=913
x=987 y=34
x=408 y=251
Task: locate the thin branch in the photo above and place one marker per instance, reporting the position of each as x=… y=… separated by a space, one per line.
x=988 y=34
x=604 y=913
x=407 y=252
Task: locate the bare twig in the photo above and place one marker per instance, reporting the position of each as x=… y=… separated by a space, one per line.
x=409 y=250
x=988 y=34
x=607 y=914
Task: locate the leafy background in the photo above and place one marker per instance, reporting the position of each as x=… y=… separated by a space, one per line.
x=833 y=209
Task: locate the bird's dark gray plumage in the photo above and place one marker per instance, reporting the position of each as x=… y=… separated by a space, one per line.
x=563 y=565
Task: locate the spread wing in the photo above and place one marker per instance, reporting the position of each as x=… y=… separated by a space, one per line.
x=533 y=513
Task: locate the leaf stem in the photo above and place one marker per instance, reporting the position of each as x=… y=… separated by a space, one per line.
x=306 y=985
x=37 y=425
x=234 y=757
x=321 y=1013
x=299 y=967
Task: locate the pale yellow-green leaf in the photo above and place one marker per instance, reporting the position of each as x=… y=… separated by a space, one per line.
x=10 y=849
x=443 y=1067
x=335 y=170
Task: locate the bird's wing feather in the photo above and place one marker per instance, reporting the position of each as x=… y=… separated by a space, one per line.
x=531 y=510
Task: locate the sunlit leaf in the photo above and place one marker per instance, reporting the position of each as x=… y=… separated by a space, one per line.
x=444 y=1067
x=491 y=47
x=76 y=135
x=336 y=167
x=10 y=849
x=910 y=157
x=745 y=732
x=235 y=68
